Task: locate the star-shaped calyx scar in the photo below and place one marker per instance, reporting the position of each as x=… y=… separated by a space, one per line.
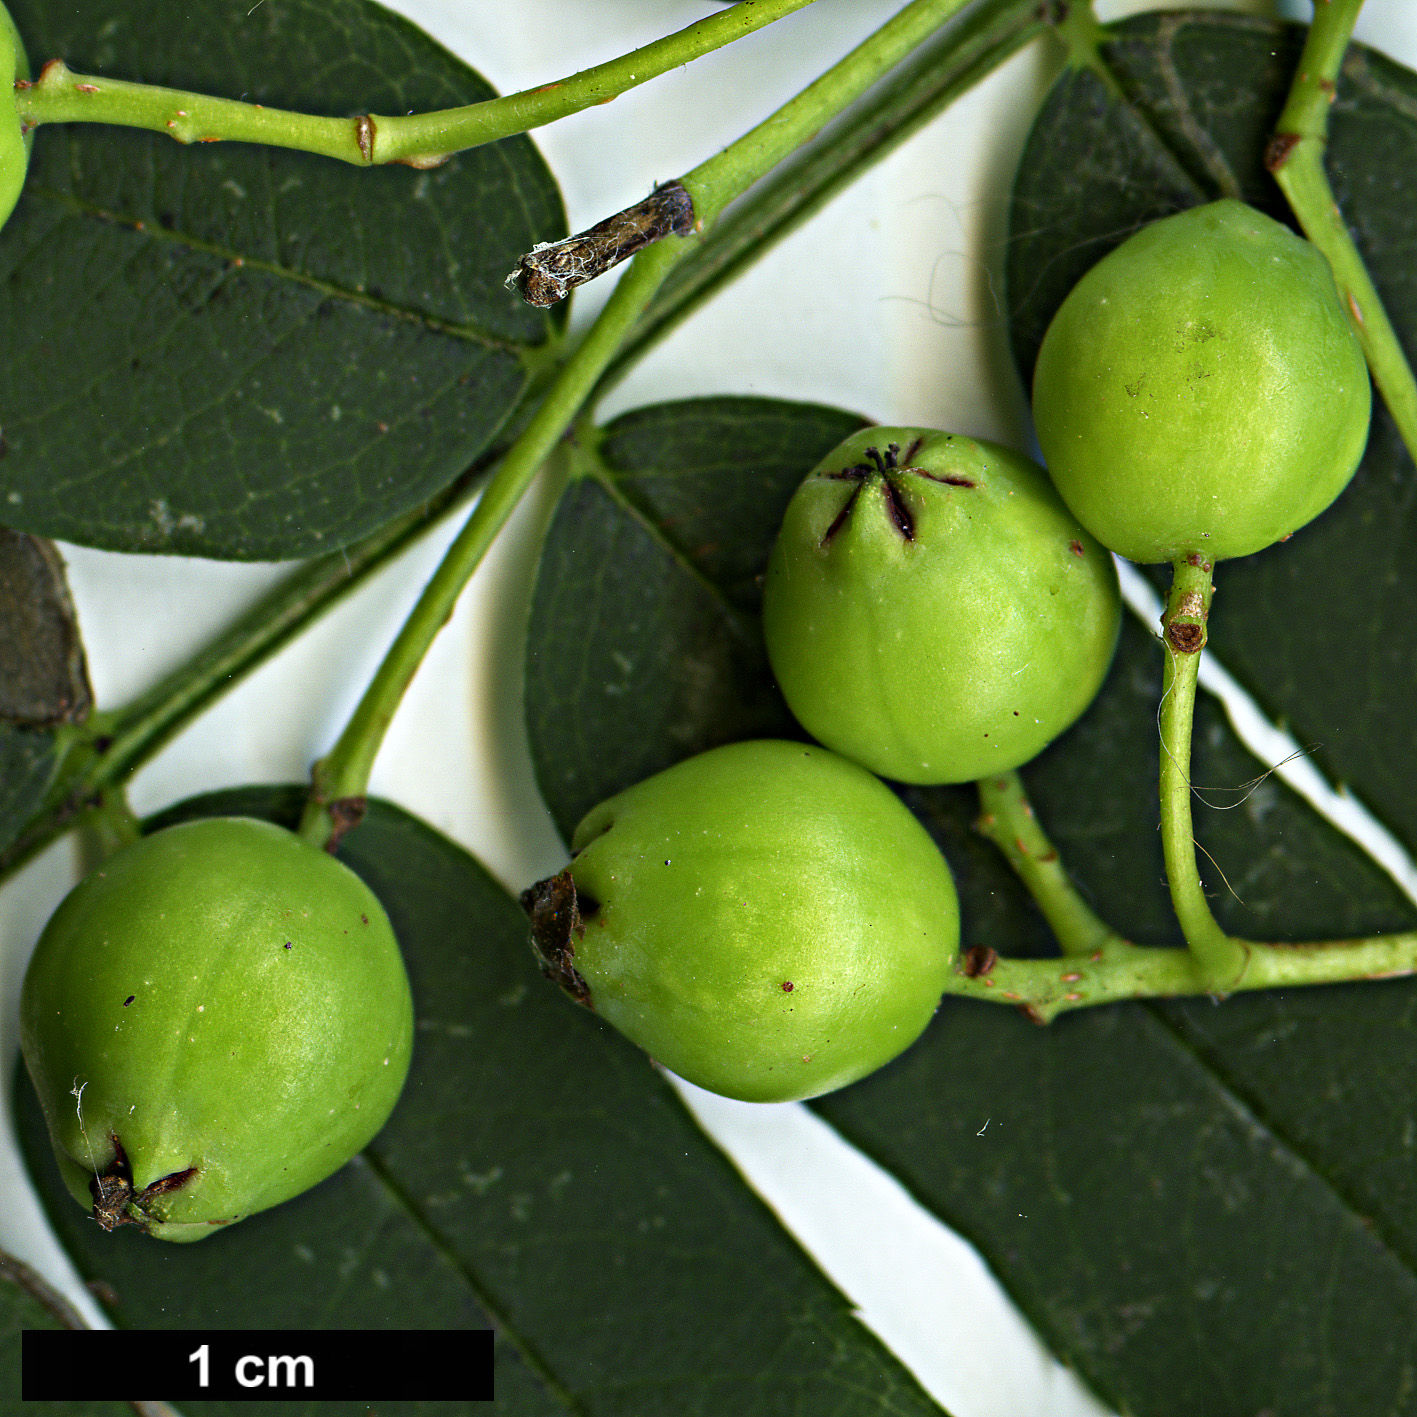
x=888 y=469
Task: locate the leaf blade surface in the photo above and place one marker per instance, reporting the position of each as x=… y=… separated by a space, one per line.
x=252 y=353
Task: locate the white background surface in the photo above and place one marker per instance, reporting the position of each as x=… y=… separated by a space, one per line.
x=901 y=324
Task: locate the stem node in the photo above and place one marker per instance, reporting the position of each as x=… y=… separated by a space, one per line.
x=1220 y=961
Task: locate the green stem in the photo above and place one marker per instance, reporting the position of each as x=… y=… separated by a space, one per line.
x=1296 y=158
x=110 y=745
x=715 y=183
x=400 y=138
x=1220 y=959
x=1098 y=967
x=61 y=96
x=343 y=775
x=966 y=52
x=1045 y=988
x=1007 y=820
x=1306 y=108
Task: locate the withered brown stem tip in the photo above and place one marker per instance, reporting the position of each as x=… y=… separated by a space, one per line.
x=550 y=272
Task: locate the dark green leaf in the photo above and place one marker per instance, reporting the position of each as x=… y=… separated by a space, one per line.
x=28 y=759
x=43 y=678
x=537 y=1170
x=242 y=352
x=1170 y=1242
x=643 y=644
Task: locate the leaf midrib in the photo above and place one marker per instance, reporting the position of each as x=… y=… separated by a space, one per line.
x=499 y=1317
x=470 y=333
x=1250 y=1106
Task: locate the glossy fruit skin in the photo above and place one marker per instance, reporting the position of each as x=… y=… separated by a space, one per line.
x=223 y=996
x=940 y=619
x=766 y=919
x=14 y=142
x=1200 y=391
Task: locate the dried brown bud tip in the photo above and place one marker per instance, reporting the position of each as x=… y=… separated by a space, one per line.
x=550 y=272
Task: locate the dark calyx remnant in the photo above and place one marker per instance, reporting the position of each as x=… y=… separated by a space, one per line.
x=883 y=467
x=556 y=925
x=115 y=1200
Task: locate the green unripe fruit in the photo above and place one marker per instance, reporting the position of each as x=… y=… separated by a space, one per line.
x=766 y=919
x=932 y=610
x=1200 y=391
x=14 y=141
x=214 y=1020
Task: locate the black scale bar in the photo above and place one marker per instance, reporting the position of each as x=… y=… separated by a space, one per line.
x=258 y=1365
